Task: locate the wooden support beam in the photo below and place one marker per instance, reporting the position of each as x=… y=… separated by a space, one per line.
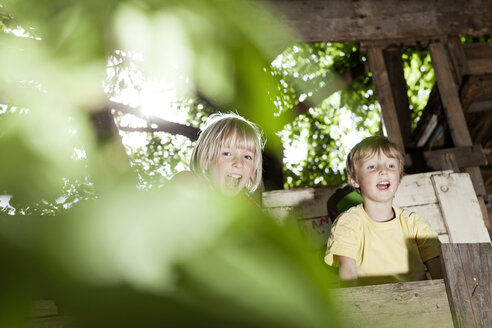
x=477 y=89
x=394 y=66
x=382 y=84
x=479 y=57
x=458 y=59
x=468 y=283
x=342 y=21
x=449 y=95
x=432 y=160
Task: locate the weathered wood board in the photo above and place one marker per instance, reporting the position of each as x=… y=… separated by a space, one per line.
x=467 y=273
x=344 y=21
x=410 y=304
x=460 y=208
x=44 y=308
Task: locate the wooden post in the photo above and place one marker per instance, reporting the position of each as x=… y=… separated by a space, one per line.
x=468 y=282
x=449 y=95
x=382 y=84
x=394 y=66
x=452 y=102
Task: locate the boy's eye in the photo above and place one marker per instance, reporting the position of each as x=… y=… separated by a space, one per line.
x=370 y=167
x=248 y=157
x=226 y=153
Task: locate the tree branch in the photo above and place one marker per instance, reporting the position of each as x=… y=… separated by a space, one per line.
x=162 y=125
x=335 y=85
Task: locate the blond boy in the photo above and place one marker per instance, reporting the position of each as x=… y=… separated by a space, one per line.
x=376 y=241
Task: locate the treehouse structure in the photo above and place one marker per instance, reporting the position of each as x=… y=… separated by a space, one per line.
x=448 y=154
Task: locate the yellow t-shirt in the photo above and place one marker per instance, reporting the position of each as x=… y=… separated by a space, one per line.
x=384 y=252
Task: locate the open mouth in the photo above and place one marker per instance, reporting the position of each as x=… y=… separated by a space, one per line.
x=383 y=185
x=232 y=181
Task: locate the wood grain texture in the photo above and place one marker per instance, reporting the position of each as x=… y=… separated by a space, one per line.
x=465 y=157
x=479 y=57
x=467 y=270
x=432 y=215
x=410 y=304
x=44 y=308
x=417 y=189
x=384 y=93
x=449 y=95
x=460 y=208
x=322 y=20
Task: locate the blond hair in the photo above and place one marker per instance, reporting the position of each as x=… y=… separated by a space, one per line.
x=371 y=146
x=226 y=130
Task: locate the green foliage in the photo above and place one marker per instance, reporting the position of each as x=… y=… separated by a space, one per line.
x=178 y=255
x=305 y=69
x=419 y=74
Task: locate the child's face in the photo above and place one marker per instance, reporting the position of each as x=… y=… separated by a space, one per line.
x=232 y=169
x=377 y=177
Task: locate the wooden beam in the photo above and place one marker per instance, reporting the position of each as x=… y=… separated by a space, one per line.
x=409 y=304
x=458 y=59
x=477 y=88
x=449 y=95
x=394 y=66
x=384 y=93
x=341 y=21
x=432 y=160
x=460 y=209
x=480 y=106
x=479 y=57
x=468 y=281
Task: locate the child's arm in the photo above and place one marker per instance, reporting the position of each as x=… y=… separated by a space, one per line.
x=434 y=267
x=347 y=271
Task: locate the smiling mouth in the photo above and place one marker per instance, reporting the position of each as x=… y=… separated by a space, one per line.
x=232 y=181
x=383 y=185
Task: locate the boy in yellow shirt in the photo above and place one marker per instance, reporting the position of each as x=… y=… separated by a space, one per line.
x=376 y=241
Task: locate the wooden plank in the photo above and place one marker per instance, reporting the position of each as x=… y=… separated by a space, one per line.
x=432 y=214
x=477 y=179
x=479 y=57
x=52 y=322
x=295 y=197
x=316 y=230
x=444 y=239
x=338 y=21
x=468 y=280
x=465 y=157
x=382 y=85
x=460 y=208
x=44 y=308
x=410 y=304
x=417 y=189
x=458 y=58
x=477 y=89
x=394 y=66
x=480 y=106
x=449 y=95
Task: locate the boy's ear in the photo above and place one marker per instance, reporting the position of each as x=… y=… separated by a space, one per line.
x=353 y=182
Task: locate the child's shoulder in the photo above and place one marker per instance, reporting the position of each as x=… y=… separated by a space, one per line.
x=352 y=215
